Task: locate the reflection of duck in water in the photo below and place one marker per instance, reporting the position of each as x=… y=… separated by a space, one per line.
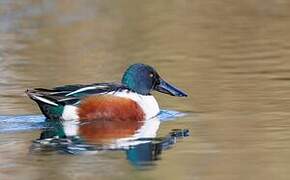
x=104 y=134
x=137 y=140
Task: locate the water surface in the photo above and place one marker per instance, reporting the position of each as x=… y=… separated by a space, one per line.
x=232 y=58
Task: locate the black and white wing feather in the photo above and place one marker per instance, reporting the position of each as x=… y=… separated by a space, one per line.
x=71 y=94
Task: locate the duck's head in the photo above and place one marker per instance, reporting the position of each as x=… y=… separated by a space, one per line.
x=143 y=79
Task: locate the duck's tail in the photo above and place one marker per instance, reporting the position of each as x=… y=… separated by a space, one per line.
x=49 y=106
x=40 y=97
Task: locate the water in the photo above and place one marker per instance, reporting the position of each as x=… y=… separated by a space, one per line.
x=232 y=58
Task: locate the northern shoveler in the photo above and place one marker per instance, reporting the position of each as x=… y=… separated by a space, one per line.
x=130 y=99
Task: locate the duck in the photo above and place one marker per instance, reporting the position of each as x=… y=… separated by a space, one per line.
x=129 y=100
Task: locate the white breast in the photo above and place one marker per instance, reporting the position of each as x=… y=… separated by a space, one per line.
x=147 y=103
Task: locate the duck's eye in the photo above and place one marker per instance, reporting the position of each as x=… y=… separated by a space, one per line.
x=151 y=75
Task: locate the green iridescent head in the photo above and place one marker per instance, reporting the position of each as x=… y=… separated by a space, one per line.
x=143 y=79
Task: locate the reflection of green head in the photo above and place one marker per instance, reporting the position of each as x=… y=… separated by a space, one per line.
x=140 y=78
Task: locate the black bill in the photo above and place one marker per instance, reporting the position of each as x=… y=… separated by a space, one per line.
x=167 y=88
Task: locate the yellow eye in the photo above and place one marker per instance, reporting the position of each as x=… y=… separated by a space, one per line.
x=151 y=75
